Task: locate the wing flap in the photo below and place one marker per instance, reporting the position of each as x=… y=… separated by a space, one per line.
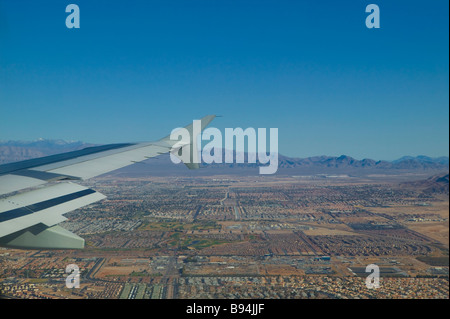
x=43 y=206
x=10 y=183
x=41 y=237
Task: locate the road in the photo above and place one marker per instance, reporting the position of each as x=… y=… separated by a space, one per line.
x=170 y=279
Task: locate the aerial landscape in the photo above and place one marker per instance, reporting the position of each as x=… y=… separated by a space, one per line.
x=224 y=158
x=227 y=232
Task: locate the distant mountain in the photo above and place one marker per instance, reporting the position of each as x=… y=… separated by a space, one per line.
x=13 y=151
x=424 y=159
x=420 y=161
x=343 y=161
x=434 y=184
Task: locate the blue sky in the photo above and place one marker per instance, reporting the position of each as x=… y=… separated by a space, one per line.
x=137 y=69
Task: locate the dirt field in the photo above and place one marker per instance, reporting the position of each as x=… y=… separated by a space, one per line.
x=438 y=231
x=322 y=231
x=431 y=221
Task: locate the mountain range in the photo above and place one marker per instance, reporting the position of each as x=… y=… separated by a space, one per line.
x=344 y=161
x=11 y=151
x=434 y=184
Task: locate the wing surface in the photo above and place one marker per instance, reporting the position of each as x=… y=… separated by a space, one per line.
x=36 y=193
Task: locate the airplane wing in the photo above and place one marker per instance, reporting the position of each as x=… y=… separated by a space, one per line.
x=36 y=193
